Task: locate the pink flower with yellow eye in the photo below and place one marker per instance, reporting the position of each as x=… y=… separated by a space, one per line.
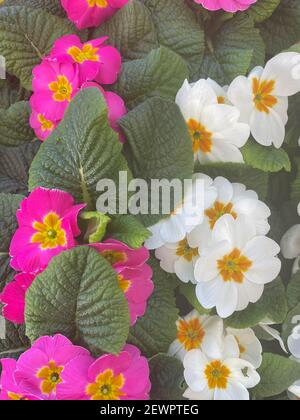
x=231 y=6
x=47 y=226
x=54 y=85
x=88 y=13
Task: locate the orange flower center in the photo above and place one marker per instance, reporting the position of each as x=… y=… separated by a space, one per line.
x=233 y=266
x=106 y=387
x=51 y=377
x=49 y=234
x=190 y=333
x=98 y=3
x=262 y=97
x=114 y=257
x=88 y=53
x=201 y=138
x=46 y=125
x=185 y=251
x=16 y=397
x=124 y=284
x=221 y=100
x=217 y=375
x=218 y=210
x=61 y=89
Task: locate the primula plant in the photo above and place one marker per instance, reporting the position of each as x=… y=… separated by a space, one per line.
x=199 y=301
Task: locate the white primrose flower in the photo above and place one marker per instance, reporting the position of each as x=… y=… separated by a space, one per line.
x=232 y=272
x=195 y=331
x=227 y=378
x=235 y=200
x=185 y=217
x=262 y=98
x=249 y=345
x=220 y=91
x=215 y=130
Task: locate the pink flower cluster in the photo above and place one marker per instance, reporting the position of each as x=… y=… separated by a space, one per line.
x=71 y=67
x=230 y=6
x=48 y=226
x=55 y=369
x=88 y=13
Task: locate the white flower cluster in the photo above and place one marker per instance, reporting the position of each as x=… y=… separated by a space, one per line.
x=220 y=119
x=219 y=363
x=226 y=253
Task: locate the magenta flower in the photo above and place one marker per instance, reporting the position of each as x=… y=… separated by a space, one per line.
x=137 y=286
x=13 y=297
x=122 y=377
x=231 y=6
x=88 y=13
x=54 y=85
x=39 y=370
x=47 y=226
x=42 y=126
x=9 y=390
x=116 y=108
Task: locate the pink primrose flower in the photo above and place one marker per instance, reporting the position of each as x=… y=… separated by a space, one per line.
x=231 y=6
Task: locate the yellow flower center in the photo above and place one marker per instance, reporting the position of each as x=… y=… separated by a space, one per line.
x=106 y=387
x=241 y=347
x=190 y=333
x=88 y=53
x=221 y=100
x=51 y=377
x=218 y=210
x=16 y=397
x=49 y=234
x=98 y=3
x=262 y=97
x=46 y=125
x=123 y=283
x=233 y=266
x=217 y=375
x=201 y=138
x=185 y=251
x=61 y=89
x=114 y=257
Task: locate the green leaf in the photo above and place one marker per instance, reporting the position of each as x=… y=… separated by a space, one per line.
x=160 y=73
x=254 y=179
x=14 y=167
x=97 y=225
x=292 y=131
x=156 y=330
x=81 y=151
x=26 y=36
x=11 y=92
x=78 y=295
x=293 y=290
x=158 y=144
x=272 y=307
x=178 y=30
x=15 y=341
x=295 y=184
x=267 y=159
x=277 y=375
x=14 y=125
x=231 y=49
x=166 y=376
x=188 y=290
x=283 y=28
x=52 y=6
x=129 y=230
x=131 y=30
x=262 y=10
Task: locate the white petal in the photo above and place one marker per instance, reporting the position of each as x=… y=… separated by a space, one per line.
x=240 y=94
x=294 y=342
x=167 y=258
x=231 y=348
x=206 y=268
x=205 y=395
x=217 y=118
x=261 y=248
x=224 y=189
x=236 y=134
x=225 y=152
x=227 y=302
x=235 y=392
x=264 y=271
x=290 y=243
x=185 y=270
x=155 y=241
x=208 y=293
x=237 y=368
x=267 y=129
x=253 y=290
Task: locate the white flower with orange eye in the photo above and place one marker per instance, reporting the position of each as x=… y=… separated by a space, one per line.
x=235 y=200
x=227 y=378
x=262 y=98
x=195 y=331
x=249 y=345
x=185 y=217
x=232 y=272
x=215 y=130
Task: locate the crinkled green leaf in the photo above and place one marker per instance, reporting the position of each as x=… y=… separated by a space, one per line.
x=263 y=9
x=267 y=159
x=160 y=73
x=26 y=36
x=81 y=151
x=15 y=341
x=292 y=133
x=78 y=295
x=166 y=376
x=52 y=6
x=156 y=330
x=14 y=125
x=178 y=29
x=295 y=184
x=11 y=92
x=158 y=144
x=129 y=230
x=272 y=307
x=277 y=375
x=131 y=30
